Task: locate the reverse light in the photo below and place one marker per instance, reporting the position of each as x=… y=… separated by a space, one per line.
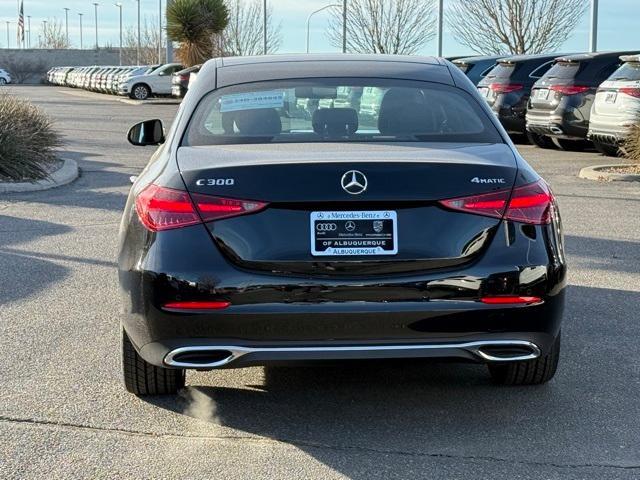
x=161 y=208
x=569 y=89
x=632 y=91
x=197 y=305
x=510 y=300
x=506 y=87
x=529 y=203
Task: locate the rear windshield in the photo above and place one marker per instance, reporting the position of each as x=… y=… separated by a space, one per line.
x=502 y=71
x=628 y=71
x=566 y=70
x=347 y=110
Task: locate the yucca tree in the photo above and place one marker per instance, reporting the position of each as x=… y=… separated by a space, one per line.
x=193 y=23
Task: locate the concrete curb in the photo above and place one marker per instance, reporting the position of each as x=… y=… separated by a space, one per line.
x=67 y=173
x=596 y=173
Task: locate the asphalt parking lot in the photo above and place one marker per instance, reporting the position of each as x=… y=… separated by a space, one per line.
x=64 y=413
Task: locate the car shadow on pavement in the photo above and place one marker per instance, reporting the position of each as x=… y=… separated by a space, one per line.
x=23 y=274
x=428 y=410
x=604 y=254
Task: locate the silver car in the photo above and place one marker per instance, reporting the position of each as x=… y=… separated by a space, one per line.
x=616 y=107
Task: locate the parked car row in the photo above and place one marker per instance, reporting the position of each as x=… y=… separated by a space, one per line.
x=569 y=101
x=138 y=82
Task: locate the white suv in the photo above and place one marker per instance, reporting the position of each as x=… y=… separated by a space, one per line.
x=616 y=107
x=157 y=82
x=4 y=77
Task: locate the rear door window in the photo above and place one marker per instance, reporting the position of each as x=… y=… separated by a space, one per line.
x=347 y=110
x=541 y=70
x=628 y=71
x=563 y=70
x=502 y=71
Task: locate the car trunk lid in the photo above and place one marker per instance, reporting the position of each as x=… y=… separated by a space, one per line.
x=301 y=181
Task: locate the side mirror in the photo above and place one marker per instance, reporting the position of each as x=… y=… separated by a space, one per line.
x=149 y=132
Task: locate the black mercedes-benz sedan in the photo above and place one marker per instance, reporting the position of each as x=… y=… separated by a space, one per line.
x=337 y=207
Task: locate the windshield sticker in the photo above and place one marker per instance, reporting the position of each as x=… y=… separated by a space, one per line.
x=251 y=100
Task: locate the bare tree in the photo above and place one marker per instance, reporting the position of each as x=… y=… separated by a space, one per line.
x=514 y=26
x=149 y=39
x=53 y=35
x=244 y=32
x=384 y=26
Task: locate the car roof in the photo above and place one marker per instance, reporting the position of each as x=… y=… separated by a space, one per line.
x=235 y=70
x=526 y=58
x=477 y=58
x=581 y=57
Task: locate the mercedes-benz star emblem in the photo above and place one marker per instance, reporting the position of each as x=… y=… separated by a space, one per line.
x=354 y=182
x=350 y=226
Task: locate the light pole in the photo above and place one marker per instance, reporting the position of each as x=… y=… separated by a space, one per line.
x=264 y=25
x=593 y=35
x=169 y=43
x=44 y=33
x=160 y=31
x=138 y=46
x=119 y=5
x=440 y=21
x=344 y=26
x=80 y=15
x=95 y=5
x=29 y=32
x=66 y=24
x=8 y=34
x=313 y=13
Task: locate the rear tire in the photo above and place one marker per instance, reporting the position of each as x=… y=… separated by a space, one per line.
x=607 y=150
x=140 y=92
x=571 y=145
x=143 y=378
x=528 y=372
x=3 y=81
x=540 y=140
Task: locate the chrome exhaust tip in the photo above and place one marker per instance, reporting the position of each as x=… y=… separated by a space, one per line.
x=508 y=351
x=199 y=357
x=556 y=130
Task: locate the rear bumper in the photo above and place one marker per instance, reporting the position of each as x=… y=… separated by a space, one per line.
x=512 y=114
x=209 y=356
x=274 y=318
x=557 y=123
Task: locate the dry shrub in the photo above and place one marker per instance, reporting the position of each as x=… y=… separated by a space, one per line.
x=632 y=144
x=27 y=140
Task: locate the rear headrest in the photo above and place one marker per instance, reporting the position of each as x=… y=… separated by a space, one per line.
x=404 y=111
x=335 y=122
x=258 y=121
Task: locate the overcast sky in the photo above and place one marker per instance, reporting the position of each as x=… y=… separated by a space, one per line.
x=619 y=27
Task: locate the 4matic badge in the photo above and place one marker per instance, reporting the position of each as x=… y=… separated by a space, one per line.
x=488 y=180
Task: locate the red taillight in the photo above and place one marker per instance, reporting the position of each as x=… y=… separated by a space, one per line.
x=531 y=204
x=569 y=89
x=488 y=204
x=161 y=208
x=216 y=208
x=184 y=78
x=528 y=204
x=195 y=305
x=634 y=92
x=506 y=87
x=510 y=300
